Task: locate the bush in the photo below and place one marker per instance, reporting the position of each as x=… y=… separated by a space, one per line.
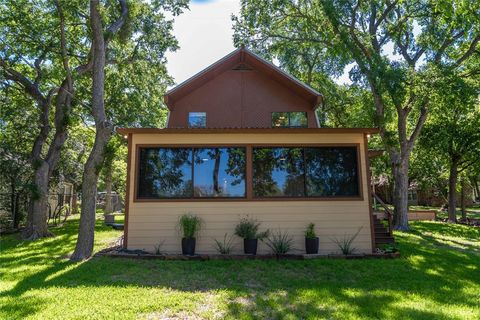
x=226 y=246
x=345 y=244
x=247 y=228
x=190 y=225
x=310 y=232
x=158 y=247
x=280 y=242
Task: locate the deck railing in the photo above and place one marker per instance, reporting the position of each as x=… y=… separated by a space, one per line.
x=387 y=210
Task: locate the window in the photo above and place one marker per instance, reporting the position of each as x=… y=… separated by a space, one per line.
x=305 y=172
x=289 y=119
x=331 y=171
x=278 y=172
x=191 y=173
x=197 y=119
x=219 y=172
x=165 y=173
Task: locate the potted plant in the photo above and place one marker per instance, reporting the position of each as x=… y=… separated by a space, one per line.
x=311 y=240
x=190 y=226
x=248 y=230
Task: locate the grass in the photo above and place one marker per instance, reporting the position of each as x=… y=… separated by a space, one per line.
x=437 y=277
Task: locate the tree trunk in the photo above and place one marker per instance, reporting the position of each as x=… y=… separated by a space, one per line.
x=452 y=186
x=108 y=189
x=400 y=195
x=38 y=212
x=86 y=233
x=84 y=246
x=216 y=185
x=462 y=200
x=17 y=218
x=14 y=204
x=477 y=189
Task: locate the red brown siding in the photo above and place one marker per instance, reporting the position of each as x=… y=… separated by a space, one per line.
x=239 y=99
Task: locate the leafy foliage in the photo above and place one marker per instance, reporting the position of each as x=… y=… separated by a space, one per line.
x=345 y=244
x=247 y=228
x=280 y=242
x=310 y=232
x=190 y=225
x=225 y=246
x=424 y=35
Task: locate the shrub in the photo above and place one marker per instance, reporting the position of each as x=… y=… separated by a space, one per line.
x=280 y=242
x=345 y=244
x=158 y=247
x=190 y=225
x=247 y=228
x=310 y=232
x=226 y=246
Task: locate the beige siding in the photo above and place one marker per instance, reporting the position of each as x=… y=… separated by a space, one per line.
x=151 y=223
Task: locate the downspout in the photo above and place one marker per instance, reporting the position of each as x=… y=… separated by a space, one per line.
x=168 y=119
x=318 y=105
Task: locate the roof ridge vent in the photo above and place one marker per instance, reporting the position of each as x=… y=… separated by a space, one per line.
x=242 y=67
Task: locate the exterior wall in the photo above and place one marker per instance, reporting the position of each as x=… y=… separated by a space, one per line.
x=239 y=99
x=150 y=223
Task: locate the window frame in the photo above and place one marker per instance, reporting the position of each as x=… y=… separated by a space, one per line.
x=192 y=198
x=289 y=119
x=188 y=119
x=306 y=197
x=249 y=172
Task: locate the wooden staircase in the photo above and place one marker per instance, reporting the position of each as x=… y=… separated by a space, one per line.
x=382 y=234
x=383 y=228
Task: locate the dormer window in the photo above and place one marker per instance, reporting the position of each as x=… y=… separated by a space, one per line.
x=197 y=119
x=289 y=120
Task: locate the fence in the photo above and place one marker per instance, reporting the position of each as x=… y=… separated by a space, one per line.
x=14 y=207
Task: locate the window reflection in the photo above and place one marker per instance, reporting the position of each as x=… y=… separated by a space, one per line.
x=278 y=172
x=289 y=119
x=219 y=172
x=331 y=171
x=165 y=173
x=197 y=119
x=305 y=172
x=298 y=119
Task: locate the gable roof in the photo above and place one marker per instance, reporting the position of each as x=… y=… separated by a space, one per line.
x=235 y=58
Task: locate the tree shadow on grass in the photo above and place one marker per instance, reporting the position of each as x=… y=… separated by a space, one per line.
x=281 y=289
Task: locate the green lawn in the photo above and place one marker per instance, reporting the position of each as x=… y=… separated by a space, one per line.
x=438 y=277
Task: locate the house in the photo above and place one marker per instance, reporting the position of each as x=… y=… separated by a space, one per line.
x=243 y=138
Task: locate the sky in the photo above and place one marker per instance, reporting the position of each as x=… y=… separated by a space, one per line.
x=204 y=34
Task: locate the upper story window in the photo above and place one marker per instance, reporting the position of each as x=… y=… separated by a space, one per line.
x=197 y=119
x=289 y=119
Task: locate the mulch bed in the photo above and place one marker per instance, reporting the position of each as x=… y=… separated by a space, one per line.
x=119 y=252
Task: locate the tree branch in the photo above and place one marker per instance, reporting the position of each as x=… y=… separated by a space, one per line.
x=469 y=52
x=117 y=24
x=30 y=87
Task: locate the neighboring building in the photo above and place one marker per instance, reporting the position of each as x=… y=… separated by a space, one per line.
x=243 y=139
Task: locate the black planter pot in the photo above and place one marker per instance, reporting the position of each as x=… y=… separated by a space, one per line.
x=188 y=246
x=311 y=245
x=250 y=246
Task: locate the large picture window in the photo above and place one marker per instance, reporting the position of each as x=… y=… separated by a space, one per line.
x=165 y=173
x=305 y=172
x=191 y=173
x=219 y=172
x=278 y=172
x=331 y=172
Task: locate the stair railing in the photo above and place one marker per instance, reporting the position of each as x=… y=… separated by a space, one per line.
x=388 y=212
